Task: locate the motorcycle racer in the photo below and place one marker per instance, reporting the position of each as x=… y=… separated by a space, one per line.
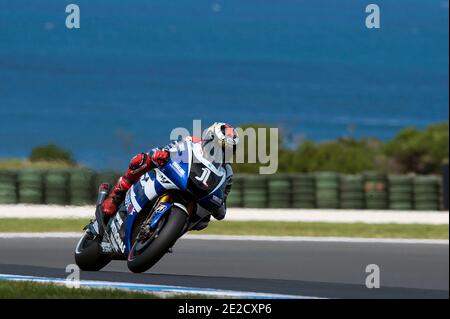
x=218 y=143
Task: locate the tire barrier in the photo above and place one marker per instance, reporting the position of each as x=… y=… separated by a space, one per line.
x=279 y=188
x=254 y=191
x=371 y=190
x=31 y=186
x=235 y=198
x=109 y=177
x=303 y=191
x=56 y=187
x=327 y=190
x=400 y=192
x=8 y=187
x=81 y=187
x=352 y=194
x=376 y=190
x=426 y=192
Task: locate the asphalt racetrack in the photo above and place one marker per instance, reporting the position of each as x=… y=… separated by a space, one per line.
x=318 y=269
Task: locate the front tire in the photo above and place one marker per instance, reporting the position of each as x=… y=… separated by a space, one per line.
x=168 y=235
x=88 y=255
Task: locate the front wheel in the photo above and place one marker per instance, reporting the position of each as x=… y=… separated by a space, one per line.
x=140 y=260
x=88 y=255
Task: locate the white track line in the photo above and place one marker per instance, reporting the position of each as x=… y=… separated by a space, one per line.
x=318 y=239
x=251 y=238
x=162 y=290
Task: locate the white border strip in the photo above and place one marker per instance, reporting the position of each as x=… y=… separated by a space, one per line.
x=318 y=239
x=251 y=238
x=162 y=290
x=252 y=214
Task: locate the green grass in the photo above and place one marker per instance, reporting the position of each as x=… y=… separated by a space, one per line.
x=33 y=290
x=256 y=228
x=329 y=229
x=41 y=225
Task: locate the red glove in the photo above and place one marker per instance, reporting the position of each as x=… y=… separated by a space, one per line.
x=160 y=157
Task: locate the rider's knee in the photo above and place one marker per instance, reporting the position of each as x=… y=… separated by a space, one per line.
x=138 y=161
x=139 y=164
x=219 y=214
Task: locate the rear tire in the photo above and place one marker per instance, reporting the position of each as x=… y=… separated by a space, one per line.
x=88 y=255
x=167 y=237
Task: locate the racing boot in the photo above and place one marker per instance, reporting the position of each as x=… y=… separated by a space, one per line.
x=116 y=197
x=220 y=213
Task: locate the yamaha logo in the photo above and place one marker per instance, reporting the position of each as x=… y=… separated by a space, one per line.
x=160 y=208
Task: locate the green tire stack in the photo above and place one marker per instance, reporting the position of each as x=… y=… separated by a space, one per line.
x=426 y=192
x=303 y=191
x=234 y=199
x=376 y=190
x=56 y=187
x=400 y=192
x=279 y=188
x=31 y=186
x=255 y=191
x=109 y=177
x=352 y=192
x=327 y=190
x=81 y=186
x=8 y=181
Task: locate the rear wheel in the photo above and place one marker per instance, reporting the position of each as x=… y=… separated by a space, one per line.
x=146 y=252
x=88 y=254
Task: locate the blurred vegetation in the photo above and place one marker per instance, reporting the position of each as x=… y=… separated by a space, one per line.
x=51 y=153
x=15 y=164
x=419 y=151
x=43 y=157
x=344 y=155
x=410 y=151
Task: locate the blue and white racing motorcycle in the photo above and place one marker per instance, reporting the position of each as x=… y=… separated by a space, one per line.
x=158 y=209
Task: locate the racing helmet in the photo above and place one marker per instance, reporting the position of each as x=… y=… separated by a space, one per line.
x=219 y=143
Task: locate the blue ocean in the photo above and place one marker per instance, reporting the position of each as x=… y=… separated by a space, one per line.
x=136 y=69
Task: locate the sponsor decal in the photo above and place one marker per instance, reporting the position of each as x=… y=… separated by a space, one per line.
x=160 y=208
x=130 y=209
x=158 y=212
x=129 y=204
x=115 y=238
x=180 y=171
x=217 y=200
x=162 y=178
x=106 y=247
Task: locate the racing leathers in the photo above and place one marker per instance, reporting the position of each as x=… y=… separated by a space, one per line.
x=143 y=163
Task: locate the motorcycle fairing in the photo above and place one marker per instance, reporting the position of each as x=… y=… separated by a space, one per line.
x=159 y=212
x=179 y=165
x=176 y=174
x=151 y=185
